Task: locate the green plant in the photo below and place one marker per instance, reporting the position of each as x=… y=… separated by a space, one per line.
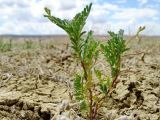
x=137 y=35
x=113 y=51
x=72 y=27
x=86 y=52
x=91 y=86
x=28 y=44
x=84 y=84
x=5 y=46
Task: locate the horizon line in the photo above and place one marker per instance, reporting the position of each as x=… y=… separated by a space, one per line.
x=39 y=35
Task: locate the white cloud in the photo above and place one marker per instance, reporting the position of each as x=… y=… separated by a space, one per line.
x=26 y=17
x=99 y=13
x=69 y=4
x=121 y=1
x=136 y=13
x=109 y=7
x=142 y=2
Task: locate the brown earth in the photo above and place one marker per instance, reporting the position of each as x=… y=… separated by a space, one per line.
x=36 y=84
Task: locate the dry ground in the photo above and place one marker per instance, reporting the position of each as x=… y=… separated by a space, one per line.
x=35 y=83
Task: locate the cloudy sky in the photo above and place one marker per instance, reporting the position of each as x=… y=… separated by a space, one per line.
x=26 y=16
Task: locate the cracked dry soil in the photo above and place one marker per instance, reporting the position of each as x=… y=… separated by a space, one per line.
x=33 y=84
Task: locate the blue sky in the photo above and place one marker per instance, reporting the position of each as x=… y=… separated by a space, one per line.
x=26 y=16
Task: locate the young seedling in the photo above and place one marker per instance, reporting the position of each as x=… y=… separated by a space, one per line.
x=113 y=51
x=139 y=38
x=137 y=35
x=86 y=52
x=5 y=46
x=89 y=91
x=28 y=44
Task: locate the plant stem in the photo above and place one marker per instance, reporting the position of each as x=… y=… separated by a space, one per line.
x=97 y=106
x=84 y=69
x=90 y=91
x=91 y=102
x=114 y=81
x=134 y=54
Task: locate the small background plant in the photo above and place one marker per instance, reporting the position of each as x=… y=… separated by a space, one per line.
x=28 y=44
x=5 y=46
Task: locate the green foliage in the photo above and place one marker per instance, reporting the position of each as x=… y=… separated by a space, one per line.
x=80 y=92
x=140 y=29
x=72 y=27
x=78 y=86
x=104 y=82
x=90 y=94
x=113 y=51
x=5 y=46
x=105 y=85
x=89 y=50
x=28 y=44
x=83 y=106
x=86 y=51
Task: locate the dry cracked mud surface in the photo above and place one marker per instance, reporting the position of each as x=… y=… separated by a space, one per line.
x=37 y=85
